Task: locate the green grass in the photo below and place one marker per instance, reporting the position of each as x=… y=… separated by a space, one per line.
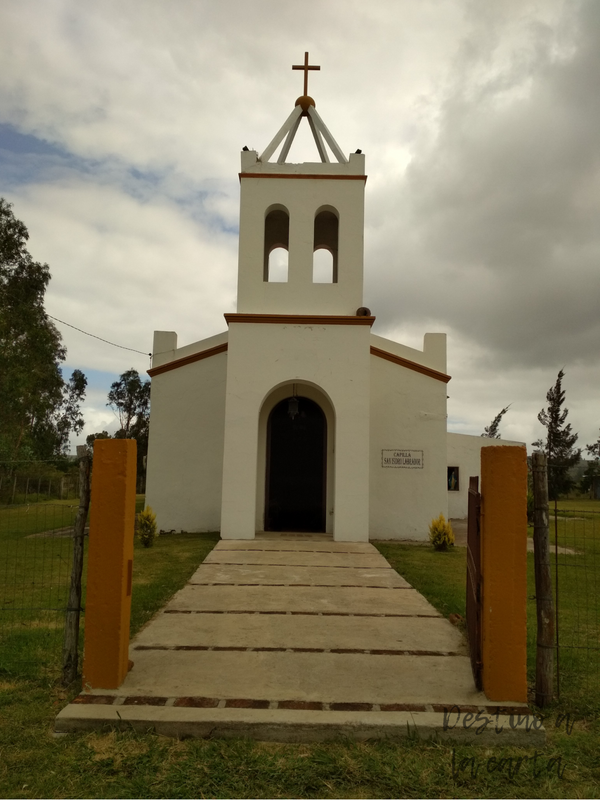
x=440 y=576
x=35 y=574
x=34 y=583
x=576 y=527
x=104 y=764
x=129 y=764
x=578 y=504
x=19 y=521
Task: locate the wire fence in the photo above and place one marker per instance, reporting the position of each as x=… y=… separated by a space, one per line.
x=20 y=488
x=575 y=543
x=36 y=555
x=37 y=515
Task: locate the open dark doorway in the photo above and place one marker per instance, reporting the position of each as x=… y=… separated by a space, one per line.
x=296 y=467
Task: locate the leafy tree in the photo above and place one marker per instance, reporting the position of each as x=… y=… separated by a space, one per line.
x=491 y=431
x=89 y=440
x=37 y=409
x=52 y=432
x=559 y=445
x=594 y=449
x=591 y=471
x=129 y=397
x=593 y=467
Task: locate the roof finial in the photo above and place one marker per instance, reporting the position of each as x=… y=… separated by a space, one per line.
x=305 y=107
x=305 y=67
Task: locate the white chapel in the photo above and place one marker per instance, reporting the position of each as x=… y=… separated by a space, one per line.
x=298 y=417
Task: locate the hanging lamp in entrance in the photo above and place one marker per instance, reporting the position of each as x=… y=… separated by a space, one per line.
x=293 y=404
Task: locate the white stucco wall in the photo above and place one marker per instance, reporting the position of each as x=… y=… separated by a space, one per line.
x=432 y=355
x=464 y=452
x=408 y=412
x=185 y=450
x=263 y=357
x=302 y=198
x=165 y=350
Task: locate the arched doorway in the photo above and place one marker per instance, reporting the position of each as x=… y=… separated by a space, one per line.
x=296 y=466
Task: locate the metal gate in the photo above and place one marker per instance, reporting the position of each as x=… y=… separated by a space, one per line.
x=474 y=579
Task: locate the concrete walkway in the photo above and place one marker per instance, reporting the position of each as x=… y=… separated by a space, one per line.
x=297 y=638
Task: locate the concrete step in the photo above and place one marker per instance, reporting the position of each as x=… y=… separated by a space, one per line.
x=297 y=725
x=298 y=558
x=326 y=633
x=302 y=600
x=321 y=676
x=288 y=575
x=277 y=544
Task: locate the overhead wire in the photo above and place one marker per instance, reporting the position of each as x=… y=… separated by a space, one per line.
x=92 y=335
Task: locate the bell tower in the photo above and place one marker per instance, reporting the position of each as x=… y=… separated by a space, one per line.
x=301 y=225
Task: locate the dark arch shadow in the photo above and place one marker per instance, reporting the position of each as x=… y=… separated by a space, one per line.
x=296 y=467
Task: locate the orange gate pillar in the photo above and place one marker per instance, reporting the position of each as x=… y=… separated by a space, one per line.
x=110 y=563
x=504 y=572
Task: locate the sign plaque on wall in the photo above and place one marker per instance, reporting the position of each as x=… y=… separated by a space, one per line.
x=405 y=459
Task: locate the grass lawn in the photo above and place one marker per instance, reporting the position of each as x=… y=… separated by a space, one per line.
x=35 y=568
x=128 y=764
x=34 y=577
x=578 y=504
x=577 y=527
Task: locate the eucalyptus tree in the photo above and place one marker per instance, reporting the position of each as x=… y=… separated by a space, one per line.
x=38 y=409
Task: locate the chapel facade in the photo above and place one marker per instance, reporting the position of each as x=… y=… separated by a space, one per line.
x=298 y=417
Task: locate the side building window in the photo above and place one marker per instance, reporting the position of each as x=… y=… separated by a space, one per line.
x=453 y=484
x=277 y=242
x=325 y=247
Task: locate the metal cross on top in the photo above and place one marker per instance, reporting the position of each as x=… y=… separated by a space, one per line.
x=305 y=67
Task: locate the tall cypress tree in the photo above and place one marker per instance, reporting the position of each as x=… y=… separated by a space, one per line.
x=559 y=445
x=492 y=431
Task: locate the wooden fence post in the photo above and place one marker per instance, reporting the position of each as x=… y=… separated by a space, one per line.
x=110 y=564
x=71 y=639
x=544 y=665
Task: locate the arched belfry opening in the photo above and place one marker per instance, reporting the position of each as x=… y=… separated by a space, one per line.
x=296 y=466
x=325 y=241
x=277 y=242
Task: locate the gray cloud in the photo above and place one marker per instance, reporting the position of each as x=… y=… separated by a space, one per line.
x=480 y=125
x=497 y=223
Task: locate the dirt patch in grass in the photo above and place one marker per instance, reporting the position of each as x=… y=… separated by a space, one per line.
x=112 y=745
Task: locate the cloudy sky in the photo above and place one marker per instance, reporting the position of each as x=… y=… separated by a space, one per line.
x=121 y=123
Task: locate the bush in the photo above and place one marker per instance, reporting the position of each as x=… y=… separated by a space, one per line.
x=146 y=526
x=441 y=534
x=530 y=507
